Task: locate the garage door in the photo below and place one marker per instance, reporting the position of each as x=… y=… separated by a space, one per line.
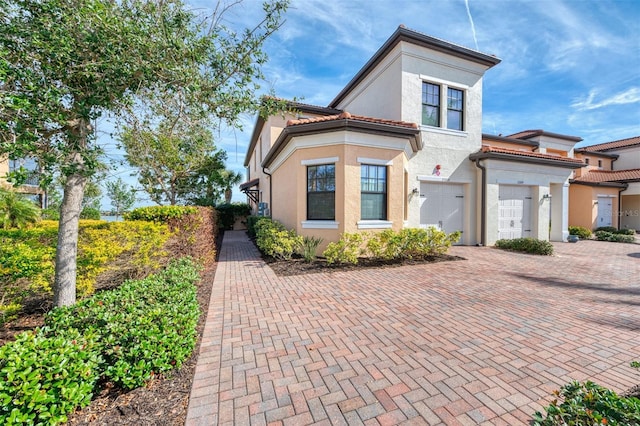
x=605 y=211
x=514 y=212
x=442 y=206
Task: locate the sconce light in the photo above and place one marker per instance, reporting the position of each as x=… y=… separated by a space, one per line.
x=414 y=191
x=546 y=196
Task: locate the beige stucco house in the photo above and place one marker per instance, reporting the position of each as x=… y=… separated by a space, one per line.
x=402 y=146
x=606 y=192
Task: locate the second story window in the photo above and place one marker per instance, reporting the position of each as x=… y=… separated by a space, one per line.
x=455 y=109
x=430 y=104
x=321 y=192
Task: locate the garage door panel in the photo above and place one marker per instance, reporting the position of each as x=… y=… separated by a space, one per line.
x=442 y=206
x=514 y=218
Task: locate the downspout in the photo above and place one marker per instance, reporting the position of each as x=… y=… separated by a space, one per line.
x=483 y=208
x=620 y=203
x=264 y=170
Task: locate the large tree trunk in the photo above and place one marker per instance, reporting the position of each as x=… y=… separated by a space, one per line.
x=67 y=250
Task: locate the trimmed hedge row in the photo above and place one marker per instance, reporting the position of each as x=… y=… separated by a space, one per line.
x=527 y=245
x=125 y=336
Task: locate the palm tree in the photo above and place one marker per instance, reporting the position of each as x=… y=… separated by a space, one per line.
x=229 y=178
x=16 y=211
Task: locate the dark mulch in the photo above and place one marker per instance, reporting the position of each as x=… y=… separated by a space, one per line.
x=298 y=266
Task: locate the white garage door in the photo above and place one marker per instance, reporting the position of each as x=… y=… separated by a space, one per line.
x=605 y=211
x=514 y=212
x=442 y=206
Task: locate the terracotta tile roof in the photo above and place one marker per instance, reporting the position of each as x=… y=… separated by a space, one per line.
x=610 y=176
x=606 y=146
x=347 y=116
x=500 y=150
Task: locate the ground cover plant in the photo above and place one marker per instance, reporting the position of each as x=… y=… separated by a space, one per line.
x=614 y=235
x=580 y=231
x=526 y=245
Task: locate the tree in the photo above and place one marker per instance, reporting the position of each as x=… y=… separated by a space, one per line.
x=229 y=178
x=16 y=211
x=122 y=196
x=64 y=63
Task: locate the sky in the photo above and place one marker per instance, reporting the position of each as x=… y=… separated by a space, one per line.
x=568 y=66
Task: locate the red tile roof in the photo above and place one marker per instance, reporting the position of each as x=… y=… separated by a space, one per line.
x=500 y=150
x=347 y=116
x=622 y=143
x=610 y=176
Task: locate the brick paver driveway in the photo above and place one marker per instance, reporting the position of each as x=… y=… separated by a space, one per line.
x=479 y=341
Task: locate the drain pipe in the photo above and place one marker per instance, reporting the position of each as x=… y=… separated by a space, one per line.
x=483 y=208
x=264 y=170
x=620 y=191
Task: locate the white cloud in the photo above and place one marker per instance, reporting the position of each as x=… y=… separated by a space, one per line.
x=629 y=96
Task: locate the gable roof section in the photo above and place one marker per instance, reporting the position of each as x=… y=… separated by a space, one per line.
x=597 y=176
x=488 y=137
x=584 y=150
x=293 y=105
x=420 y=39
x=344 y=121
x=607 y=146
x=499 y=153
x=528 y=134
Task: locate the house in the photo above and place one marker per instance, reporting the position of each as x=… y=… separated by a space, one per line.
x=30 y=188
x=402 y=146
x=606 y=192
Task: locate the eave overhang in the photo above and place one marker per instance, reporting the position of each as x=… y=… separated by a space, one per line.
x=552 y=162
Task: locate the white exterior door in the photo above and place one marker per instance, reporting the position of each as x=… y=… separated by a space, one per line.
x=442 y=206
x=605 y=212
x=514 y=212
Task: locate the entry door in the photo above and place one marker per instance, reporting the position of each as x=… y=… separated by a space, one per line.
x=442 y=206
x=605 y=211
x=514 y=212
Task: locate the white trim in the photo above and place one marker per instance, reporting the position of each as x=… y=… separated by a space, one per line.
x=426 y=178
x=320 y=224
x=448 y=83
x=318 y=161
x=374 y=224
x=374 y=161
x=606 y=196
x=444 y=131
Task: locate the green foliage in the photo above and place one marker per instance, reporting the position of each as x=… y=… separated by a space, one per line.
x=586 y=404
x=610 y=229
x=309 y=247
x=614 y=237
x=626 y=231
x=274 y=240
x=42 y=378
x=409 y=243
x=16 y=211
x=346 y=250
x=122 y=196
x=127 y=335
x=527 y=245
x=51 y=213
x=580 y=231
x=161 y=214
x=229 y=212
x=251 y=224
x=90 y=213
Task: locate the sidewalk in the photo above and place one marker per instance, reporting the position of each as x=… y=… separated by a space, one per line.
x=480 y=341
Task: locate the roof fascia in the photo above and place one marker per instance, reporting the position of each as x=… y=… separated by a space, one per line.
x=525 y=159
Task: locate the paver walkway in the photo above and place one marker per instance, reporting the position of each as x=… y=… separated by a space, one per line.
x=479 y=341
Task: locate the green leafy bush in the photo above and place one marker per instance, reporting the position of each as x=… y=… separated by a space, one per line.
x=229 y=212
x=626 y=231
x=614 y=237
x=610 y=229
x=309 y=247
x=409 y=243
x=143 y=327
x=346 y=250
x=274 y=240
x=251 y=224
x=580 y=231
x=16 y=211
x=588 y=404
x=527 y=245
x=44 y=378
x=159 y=213
x=90 y=213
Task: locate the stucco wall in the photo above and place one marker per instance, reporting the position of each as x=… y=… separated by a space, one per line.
x=630 y=212
x=629 y=158
x=583 y=210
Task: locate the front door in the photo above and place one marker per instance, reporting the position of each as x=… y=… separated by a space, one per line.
x=442 y=206
x=514 y=212
x=605 y=212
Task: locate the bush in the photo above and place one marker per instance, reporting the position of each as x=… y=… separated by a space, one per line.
x=580 y=231
x=90 y=213
x=614 y=237
x=143 y=327
x=589 y=404
x=160 y=213
x=527 y=245
x=251 y=224
x=346 y=250
x=309 y=247
x=626 y=231
x=274 y=240
x=44 y=378
x=16 y=211
x=409 y=243
x=228 y=213
x=609 y=229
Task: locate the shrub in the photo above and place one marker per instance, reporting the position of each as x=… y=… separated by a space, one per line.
x=527 y=245
x=580 y=231
x=614 y=237
x=626 y=231
x=159 y=213
x=90 y=213
x=229 y=212
x=309 y=247
x=609 y=229
x=409 y=243
x=44 y=378
x=251 y=224
x=274 y=240
x=589 y=404
x=16 y=211
x=346 y=250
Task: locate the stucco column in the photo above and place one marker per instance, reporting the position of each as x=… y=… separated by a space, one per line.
x=559 y=212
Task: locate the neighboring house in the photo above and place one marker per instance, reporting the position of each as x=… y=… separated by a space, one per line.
x=402 y=146
x=30 y=188
x=606 y=192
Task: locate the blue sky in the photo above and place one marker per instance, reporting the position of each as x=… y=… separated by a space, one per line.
x=569 y=67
